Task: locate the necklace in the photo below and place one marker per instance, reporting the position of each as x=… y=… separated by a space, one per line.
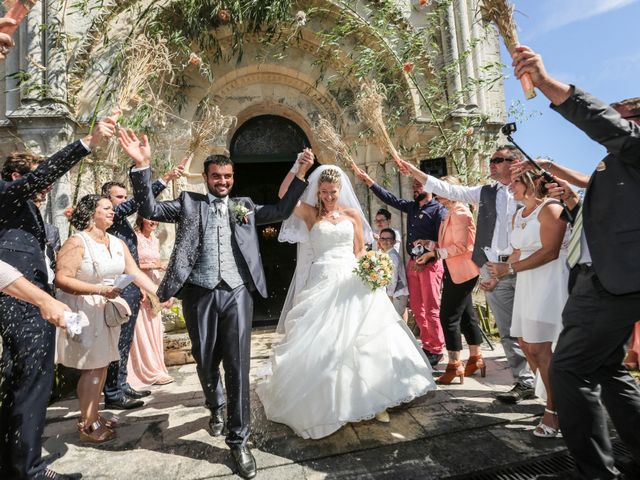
x=334 y=214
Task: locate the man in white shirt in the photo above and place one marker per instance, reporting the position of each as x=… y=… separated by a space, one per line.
x=495 y=214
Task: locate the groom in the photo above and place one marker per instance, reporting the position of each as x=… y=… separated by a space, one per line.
x=214 y=266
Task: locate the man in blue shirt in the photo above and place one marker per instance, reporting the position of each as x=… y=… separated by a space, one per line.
x=424 y=215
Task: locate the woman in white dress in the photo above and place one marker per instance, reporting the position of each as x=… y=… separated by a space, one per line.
x=87 y=266
x=539 y=258
x=346 y=354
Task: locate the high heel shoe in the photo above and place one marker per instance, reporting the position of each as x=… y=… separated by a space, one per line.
x=383 y=417
x=453 y=370
x=475 y=362
x=97 y=433
x=543 y=430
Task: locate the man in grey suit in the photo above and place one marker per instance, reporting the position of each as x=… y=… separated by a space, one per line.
x=214 y=266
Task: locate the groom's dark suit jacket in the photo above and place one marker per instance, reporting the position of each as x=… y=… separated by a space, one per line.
x=190 y=212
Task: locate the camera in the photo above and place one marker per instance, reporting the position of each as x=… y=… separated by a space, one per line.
x=509 y=128
x=418 y=250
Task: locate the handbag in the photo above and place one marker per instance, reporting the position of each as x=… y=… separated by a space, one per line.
x=116 y=310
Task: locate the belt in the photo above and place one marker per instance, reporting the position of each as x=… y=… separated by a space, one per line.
x=584 y=267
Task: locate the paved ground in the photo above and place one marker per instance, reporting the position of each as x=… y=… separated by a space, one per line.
x=457 y=429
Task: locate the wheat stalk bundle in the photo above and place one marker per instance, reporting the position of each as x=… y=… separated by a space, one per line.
x=209 y=127
x=369 y=105
x=500 y=12
x=145 y=61
x=325 y=133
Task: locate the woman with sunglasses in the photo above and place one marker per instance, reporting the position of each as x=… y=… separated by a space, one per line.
x=539 y=239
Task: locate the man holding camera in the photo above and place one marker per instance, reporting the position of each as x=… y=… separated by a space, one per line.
x=604 y=297
x=424 y=215
x=495 y=214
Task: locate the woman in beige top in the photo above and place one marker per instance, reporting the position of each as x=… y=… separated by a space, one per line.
x=88 y=264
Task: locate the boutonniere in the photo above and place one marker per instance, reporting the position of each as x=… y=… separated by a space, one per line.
x=240 y=213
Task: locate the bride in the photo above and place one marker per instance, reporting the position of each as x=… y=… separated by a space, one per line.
x=346 y=355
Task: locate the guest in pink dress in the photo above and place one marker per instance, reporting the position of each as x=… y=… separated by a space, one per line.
x=146 y=360
x=633 y=355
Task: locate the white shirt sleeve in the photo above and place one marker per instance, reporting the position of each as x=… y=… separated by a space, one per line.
x=8 y=274
x=138 y=169
x=458 y=193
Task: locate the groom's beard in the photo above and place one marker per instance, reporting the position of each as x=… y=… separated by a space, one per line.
x=419 y=196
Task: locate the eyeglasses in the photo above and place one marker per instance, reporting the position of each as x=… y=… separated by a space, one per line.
x=387 y=239
x=497 y=160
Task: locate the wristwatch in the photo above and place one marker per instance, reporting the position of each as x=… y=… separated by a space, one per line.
x=510 y=270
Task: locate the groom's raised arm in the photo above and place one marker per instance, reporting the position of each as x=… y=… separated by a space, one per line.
x=284 y=208
x=149 y=207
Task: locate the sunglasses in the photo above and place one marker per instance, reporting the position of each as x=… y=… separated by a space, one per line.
x=497 y=160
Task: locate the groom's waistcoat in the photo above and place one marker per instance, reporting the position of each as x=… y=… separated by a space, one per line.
x=219 y=258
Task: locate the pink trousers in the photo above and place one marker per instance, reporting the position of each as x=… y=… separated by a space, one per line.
x=424 y=300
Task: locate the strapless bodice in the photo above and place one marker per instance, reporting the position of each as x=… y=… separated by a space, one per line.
x=332 y=241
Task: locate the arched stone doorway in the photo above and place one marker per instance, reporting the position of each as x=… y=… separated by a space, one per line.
x=263 y=150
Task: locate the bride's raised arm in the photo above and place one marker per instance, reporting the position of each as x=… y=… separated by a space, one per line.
x=303 y=211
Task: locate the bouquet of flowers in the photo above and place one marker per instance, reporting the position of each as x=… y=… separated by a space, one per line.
x=375 y=269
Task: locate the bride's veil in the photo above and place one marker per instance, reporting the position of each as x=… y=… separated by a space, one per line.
x=294 y=230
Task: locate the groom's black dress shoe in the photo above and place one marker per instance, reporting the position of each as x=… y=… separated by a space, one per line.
x=123 y=403
x=132 y=393
x=216 y=422
x=244 y=461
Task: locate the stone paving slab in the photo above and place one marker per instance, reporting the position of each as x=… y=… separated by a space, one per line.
x=453 y=430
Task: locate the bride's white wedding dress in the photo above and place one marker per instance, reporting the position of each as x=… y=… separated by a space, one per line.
x=346 y=354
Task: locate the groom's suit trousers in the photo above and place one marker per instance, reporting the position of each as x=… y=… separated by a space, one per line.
x=219 y=325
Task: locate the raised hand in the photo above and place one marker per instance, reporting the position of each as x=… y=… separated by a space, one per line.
x=174 y=173
x=138 y=149
x=305 y=162
x=362 y=175
x=561 y=189
x=403 y=165
x=6 y=42
x=104 y=129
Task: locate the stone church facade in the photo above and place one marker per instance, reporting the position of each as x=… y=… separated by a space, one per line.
x=274 y=101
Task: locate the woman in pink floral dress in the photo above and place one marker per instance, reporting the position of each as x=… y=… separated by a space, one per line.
x=146 y=360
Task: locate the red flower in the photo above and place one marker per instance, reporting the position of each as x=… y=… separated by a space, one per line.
x=194 y=59
x=423 y=3
x=224 y=16
x=408 y=67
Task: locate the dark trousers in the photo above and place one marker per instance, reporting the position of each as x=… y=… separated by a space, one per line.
x=117 y=371
x=28 y=344
x=457 y=313
x=219 y=325
x=587 y=373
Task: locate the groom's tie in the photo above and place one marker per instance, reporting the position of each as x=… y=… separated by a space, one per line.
x=219 y=205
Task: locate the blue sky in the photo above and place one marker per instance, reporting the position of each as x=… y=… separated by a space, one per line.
x=593 y=44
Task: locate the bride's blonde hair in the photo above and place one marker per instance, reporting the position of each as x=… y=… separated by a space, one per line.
x=330 y=175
